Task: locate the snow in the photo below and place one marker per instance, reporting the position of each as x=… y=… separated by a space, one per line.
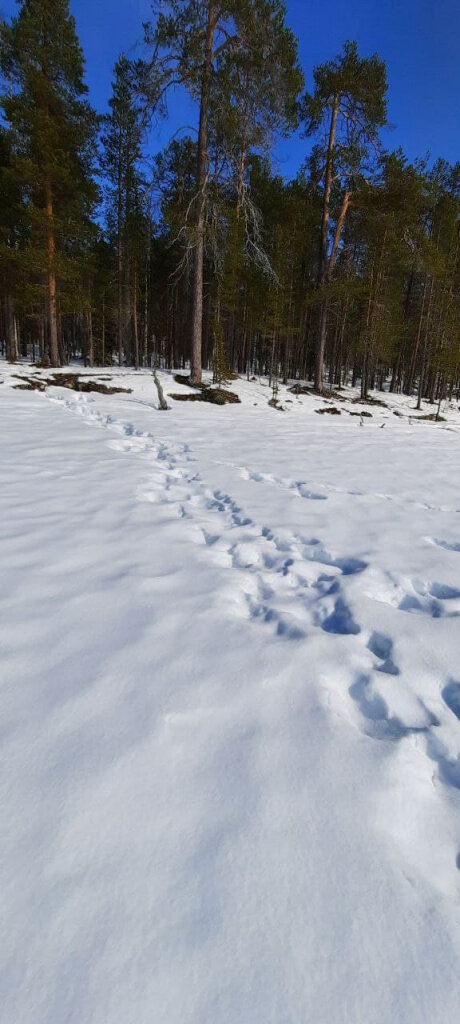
x=230 y=710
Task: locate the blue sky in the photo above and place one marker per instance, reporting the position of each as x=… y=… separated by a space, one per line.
x=418 y=39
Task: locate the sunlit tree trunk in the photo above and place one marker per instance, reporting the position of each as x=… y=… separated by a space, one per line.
x=202 y=172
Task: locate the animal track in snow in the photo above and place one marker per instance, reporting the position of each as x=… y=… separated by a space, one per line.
x=451 y=697
x=293 y=584
x=224 y=503
x=299 y=487
x=382 y=647
x=420 y=597
x=340 y=620
x=447 y=545
x=176 y=485
x=382 y=723
x=280 y=577
x=288 y=587
x=448 y=767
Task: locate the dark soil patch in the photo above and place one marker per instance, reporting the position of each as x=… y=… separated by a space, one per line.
x=216 y=396
x=370 y=401
x=300 y=389
x=187 y=398
x=72 y=381
x=334 y=394
x=27 y=387
x=28 y=383
x=331 y=409
x=67 y=380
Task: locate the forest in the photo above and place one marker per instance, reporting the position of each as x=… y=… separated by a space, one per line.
x=201 y=256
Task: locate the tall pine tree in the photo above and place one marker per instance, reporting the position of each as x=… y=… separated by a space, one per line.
x=189 y=41
x=349 y=100
x=121 y=155
x=53 y=140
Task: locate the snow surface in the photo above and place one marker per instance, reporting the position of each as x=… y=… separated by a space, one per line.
x=230 y=710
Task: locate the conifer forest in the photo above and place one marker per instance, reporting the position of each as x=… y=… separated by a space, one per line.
x=202 y=256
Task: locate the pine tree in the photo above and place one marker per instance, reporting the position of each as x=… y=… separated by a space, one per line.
x=259 y=82
x=349 y=98
x=121 y=155
x=11 y=238
x=53 y=136
x=199 y=45
x=183 y=44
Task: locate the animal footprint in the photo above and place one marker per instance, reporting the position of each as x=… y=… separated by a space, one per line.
x=382 y=647
x=341 y=620
x=390 y=718
x=451 y=697
x=447 y=545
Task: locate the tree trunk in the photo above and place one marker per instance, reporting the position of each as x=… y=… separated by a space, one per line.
x=120 y=249
x=413 y=362
x=240 y=184
x=42 y=337
x=51 y=276
x=338 y=234
x=327 y=190
x=338 y=367
x=197 y=315
x=320 y=349
x=90 y=339
x=146 y=307
x=11 y=334
x=103 y=331
x=421 y=383
x=365 y=366
x=134 y=314
x=120 y=298
x=162 y=403
x=323 y=261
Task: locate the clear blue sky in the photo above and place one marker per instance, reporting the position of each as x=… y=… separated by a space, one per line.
x=418 y=39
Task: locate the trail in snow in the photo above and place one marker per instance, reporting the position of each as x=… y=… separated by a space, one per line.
x=300 y=488
x=294 y=585
x=230 y=715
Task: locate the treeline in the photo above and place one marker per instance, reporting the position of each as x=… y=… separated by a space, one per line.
x=202 y=256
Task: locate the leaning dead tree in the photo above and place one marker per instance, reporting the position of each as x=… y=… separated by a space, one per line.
x=162 y=403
